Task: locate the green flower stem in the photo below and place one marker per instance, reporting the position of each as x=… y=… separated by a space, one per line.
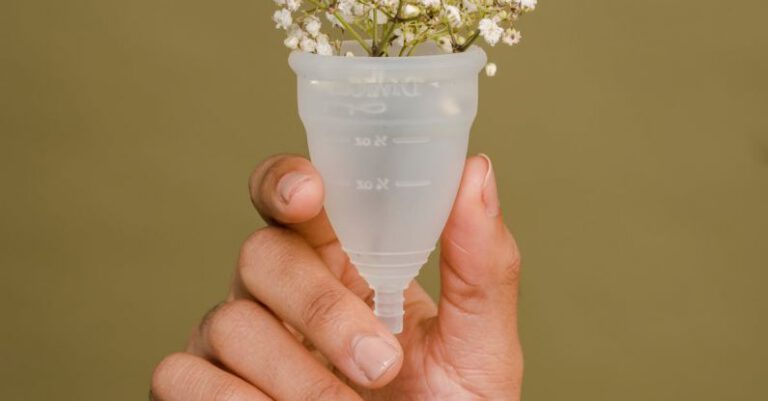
x=390 y=30
x=469 y=42
x=354 y=33
x=375 y=29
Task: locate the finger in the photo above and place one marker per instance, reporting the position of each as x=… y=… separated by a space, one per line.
x=248 y=340
x=185 y=377
x=287 y=190
x=480 y=262
x=282 y=271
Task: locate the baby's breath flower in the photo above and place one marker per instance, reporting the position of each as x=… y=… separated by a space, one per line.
x=512 y=37
x=291 y=42
x=430 y=3
x=294 y=37
x=293 y=5
x=490 y=69
x=469 y=6
x=381 y=18
x=454 y=15
x=324 y=47
x=350 y=9
x=527 y=4
x=490 y=31
x=282 y=18
x=444 y=42
x=333 y=20
x=401 y=38
x=312 y=25
x=453 y=25
x=307 y=44
x=410 y=11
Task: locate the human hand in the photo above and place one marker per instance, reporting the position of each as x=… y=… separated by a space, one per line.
x=298 y=323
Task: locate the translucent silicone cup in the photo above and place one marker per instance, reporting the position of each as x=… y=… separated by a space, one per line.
x=389 y=137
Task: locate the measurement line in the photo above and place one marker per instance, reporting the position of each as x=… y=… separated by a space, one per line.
x=413 y=184
x=410 y=140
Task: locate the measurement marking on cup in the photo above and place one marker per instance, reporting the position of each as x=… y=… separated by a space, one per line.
x=378 y=141
x=379 y=184
x=413 y=184
x=385 y=184
x=409 y=140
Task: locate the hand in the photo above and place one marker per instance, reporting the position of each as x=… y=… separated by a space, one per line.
x=298 y=324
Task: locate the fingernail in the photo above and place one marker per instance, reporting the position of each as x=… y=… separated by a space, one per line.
x=374 y=356
x=290 y=184
x=490 y=192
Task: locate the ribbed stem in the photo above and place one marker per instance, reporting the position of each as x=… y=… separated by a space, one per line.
x=389 y=309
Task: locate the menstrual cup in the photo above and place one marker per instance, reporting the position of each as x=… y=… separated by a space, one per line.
x=389 y=138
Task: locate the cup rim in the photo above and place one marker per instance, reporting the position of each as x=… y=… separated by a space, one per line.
x=473 y=59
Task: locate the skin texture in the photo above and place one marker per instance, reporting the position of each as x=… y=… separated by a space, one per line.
x=297 y=324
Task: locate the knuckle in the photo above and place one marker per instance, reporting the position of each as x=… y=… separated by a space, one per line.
x=325 y=389
x=323 y=307
x=168 y=374
x=226 y=324
x=265 y=239
x=512 y=261
x=264 y=244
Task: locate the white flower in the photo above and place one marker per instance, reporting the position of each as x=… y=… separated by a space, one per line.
x=312 y=25
x=430 y=3
x=291 y=42
x=308 y=44
x=282 y=18
x=469 y=5
x=410 y=11
x=324 y=47
x=381 y=18
x=346 y=7
x=293 y=5
x=450 y=24
x=349 y=54
x=333 y=20
x=490 y=31
x=294 y=37
x=454 y=15
x=512 y=37
x=445 y=43
x=401 y=39
x=490 y=69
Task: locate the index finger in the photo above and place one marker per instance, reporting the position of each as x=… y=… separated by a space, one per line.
x=287 y=191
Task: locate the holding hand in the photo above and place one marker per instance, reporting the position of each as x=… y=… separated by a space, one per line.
x=298 y=324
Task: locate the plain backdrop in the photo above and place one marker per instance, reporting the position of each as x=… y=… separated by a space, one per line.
x=630 y=140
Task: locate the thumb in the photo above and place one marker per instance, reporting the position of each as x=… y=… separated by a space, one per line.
x=479 y=264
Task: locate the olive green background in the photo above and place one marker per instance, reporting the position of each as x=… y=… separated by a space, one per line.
x=630 y=140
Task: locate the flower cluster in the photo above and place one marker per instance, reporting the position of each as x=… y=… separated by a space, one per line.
x=397 y=27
